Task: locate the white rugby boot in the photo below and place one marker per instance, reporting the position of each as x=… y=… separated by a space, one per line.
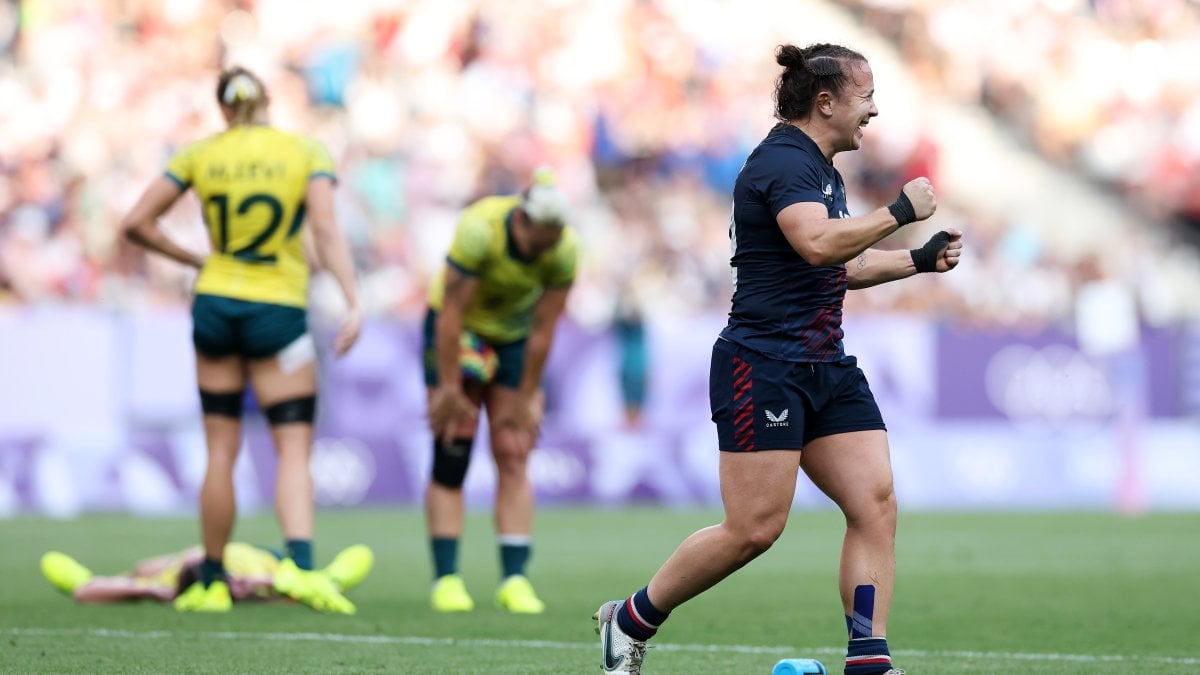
x=620 y=653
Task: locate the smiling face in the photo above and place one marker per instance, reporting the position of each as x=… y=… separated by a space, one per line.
x=850 y=112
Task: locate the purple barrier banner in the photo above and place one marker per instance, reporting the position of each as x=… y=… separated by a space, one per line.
x=99 y=413
x=987 y=374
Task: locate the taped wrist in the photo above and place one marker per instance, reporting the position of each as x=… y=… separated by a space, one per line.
x=925 y=258
x=902 y=210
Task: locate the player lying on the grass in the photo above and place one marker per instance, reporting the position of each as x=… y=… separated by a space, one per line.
x=252 y=572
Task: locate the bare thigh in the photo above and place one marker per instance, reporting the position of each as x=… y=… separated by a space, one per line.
x=854 y=469
x=273 y=384
x=757 y=489
x=508 y=443
x=220 y=374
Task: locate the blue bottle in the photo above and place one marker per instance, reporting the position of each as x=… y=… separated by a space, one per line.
x=799 y=667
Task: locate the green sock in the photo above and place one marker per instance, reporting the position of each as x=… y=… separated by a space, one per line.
x=211 y=571
x=300 y=551
x=514 y=554
x=445 y=556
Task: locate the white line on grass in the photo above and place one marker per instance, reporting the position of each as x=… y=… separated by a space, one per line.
x=417 y=640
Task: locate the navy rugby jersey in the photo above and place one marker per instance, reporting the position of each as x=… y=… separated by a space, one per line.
x=784 y=307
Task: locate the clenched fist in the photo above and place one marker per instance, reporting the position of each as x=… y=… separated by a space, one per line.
x=920 y=194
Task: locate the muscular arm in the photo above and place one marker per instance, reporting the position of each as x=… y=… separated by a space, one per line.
x=873 y=267
x=824 y=241
x=140 y=225
x=545 y=319
x=460 y=289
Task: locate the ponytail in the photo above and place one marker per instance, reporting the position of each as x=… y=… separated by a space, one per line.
x=806 y=73
x=242 y=92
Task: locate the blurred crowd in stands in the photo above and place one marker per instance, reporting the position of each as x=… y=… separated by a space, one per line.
x=1107 y=88
x=1111 y=87
x=645 y=108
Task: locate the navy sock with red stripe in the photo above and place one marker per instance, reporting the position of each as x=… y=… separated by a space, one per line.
x=638 y=618
x=868 y=656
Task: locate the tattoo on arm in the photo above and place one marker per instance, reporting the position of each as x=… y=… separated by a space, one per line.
x=862 y=261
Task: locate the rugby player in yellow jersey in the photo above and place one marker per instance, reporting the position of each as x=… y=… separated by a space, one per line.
x=250 y=571
x=258 y=188
x=492 y=314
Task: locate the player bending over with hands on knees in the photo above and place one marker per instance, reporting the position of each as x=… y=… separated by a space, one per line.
x=784 y=394
x=258 y=188
x=491 y=320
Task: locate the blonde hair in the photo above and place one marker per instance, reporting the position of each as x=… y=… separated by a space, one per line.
x=242 y=92
x=544 y=203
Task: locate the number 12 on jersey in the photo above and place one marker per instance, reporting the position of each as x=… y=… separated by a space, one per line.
x=251 y=252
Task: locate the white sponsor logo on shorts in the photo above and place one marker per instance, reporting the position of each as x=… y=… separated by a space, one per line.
x=780 y=420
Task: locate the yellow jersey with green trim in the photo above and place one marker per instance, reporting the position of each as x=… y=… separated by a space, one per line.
x=242 y=561
x=251 y=181
x=509 y=286
x=246 y=560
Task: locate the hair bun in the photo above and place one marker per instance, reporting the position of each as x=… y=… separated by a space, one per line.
x=544 y=175
x=241 y=87
x=544 y=202
x=789 y=56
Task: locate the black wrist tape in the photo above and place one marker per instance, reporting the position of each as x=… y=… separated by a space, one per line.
x=925 y=258
x=902 y=210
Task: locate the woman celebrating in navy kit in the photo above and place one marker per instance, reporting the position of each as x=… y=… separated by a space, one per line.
x=784 y=394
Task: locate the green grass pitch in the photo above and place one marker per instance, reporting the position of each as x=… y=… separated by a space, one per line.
x=1031 y=592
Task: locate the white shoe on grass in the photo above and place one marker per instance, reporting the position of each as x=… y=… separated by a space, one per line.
x=620 y=653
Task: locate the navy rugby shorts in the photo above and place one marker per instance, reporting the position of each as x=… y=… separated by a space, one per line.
x=760 y=403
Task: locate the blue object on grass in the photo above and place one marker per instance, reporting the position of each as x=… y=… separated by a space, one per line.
x=799 y=667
